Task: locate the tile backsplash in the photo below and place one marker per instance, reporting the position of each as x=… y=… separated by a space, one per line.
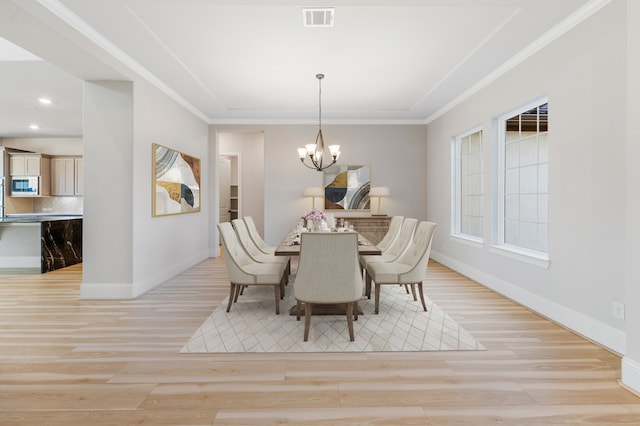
x=58 y=205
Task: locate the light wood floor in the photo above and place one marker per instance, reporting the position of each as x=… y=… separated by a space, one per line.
x=70 y=362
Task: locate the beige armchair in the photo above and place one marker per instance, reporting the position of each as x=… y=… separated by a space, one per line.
x=244 y=271
x=392 y=233
x=397 y=247
x=255 y=236
x=328 y=273
x=252 y=249
x=409 y=268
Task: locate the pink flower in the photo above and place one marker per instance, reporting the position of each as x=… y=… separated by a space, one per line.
x=314 y=215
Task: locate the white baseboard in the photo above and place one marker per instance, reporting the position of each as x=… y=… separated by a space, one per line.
x=20 y=262
x=597 y=331
x=631 y=374
x=140 y=287
x=136 y=289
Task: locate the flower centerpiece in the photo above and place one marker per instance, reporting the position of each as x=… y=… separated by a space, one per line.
x=314 y=219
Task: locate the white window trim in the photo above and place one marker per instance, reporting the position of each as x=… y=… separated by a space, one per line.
x=499 y=247
x=532 y=257
x=468 y=240
x=456 y=195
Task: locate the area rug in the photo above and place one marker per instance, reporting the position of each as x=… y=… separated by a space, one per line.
x=401 y=325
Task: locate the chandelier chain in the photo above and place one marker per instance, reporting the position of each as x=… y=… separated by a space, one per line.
x=320 y=77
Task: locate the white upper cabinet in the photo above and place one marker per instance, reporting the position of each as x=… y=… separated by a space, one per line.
x=66 y=176
x=79 y=163
x=25 y=165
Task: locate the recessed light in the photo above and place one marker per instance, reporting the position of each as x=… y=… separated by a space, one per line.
x=45 y=101
x=34 y=126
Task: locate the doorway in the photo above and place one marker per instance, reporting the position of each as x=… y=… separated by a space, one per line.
x=245 y=151
x=229 y=191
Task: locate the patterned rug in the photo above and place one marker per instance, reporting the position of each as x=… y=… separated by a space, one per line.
x=401 y=325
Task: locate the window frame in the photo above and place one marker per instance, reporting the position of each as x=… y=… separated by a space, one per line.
x=499 y=246
x=456 y=188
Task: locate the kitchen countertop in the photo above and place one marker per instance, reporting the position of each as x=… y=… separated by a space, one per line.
x=37 y=217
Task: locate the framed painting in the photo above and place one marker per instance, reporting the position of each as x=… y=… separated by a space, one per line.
x=347 y=187
x=176 y=182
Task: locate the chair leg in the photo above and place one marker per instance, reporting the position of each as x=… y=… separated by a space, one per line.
x=377 y=298
x=307 y=320
x=350 y=320
x=276 y=289
x=232 y=291
x=424 y=305
x=239 y=289
x=367 y=280
x=406 y=287
x=355 y=310
x=413 y=291
x=287 y=272
x=298 y=310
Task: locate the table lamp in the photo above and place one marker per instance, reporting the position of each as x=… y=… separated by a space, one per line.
x=379 y=192
x=313 y=192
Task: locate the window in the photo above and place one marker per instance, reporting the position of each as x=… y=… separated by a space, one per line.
x=523 y=190
x=467 y=197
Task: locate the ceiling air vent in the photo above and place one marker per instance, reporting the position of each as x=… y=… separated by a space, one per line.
x=318 y=17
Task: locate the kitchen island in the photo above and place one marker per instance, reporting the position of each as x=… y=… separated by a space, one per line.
x=47 y=242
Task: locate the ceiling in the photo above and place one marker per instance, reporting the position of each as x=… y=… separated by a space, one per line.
x=385 y=61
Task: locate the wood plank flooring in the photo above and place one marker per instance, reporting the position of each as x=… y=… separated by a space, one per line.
x=64 y=361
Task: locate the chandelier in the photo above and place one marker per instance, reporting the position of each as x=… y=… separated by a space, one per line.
x=315 y=151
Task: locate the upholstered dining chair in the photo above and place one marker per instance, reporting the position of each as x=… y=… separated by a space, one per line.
x=244 y=271
x=255 y=236
x=392 y=233
x=253 y=250
x=409 y=268
x=328 y=273
x=397 y=247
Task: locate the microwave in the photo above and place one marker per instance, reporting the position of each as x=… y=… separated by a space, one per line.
x=25 y=186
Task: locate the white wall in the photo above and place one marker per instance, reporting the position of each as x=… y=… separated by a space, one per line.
x=107 y=237
x=396 y=155
x=583 y=74
x=165 y=246
x=631 y=361
x=127 y=251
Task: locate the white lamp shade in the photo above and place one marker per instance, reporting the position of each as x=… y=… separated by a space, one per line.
x=379 y=191
x=313 y=191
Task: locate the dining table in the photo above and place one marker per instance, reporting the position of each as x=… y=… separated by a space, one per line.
x=290 y=244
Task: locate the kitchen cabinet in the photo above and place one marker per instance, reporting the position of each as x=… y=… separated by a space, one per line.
x=79 y=167
x=66 y=176
x=62 y=176
x=25 y=165
x=44 y=242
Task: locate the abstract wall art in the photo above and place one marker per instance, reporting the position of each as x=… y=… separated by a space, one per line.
x=347 y=187
x=176 y=182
